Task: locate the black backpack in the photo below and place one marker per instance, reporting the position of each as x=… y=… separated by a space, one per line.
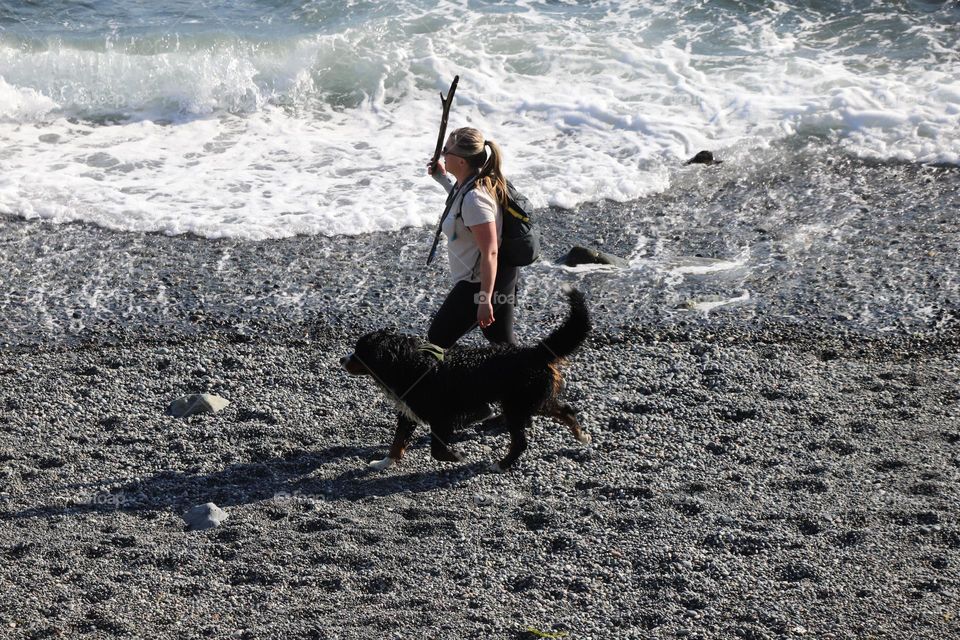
x=520 y=245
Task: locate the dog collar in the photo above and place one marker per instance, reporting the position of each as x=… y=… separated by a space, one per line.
x=432 y=349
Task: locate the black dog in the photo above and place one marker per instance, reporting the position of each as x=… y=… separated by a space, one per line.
x=441 y=390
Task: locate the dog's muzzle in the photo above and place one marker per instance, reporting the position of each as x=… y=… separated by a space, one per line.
x=352 y=366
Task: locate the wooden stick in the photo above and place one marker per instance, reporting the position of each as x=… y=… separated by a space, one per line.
x=446 y=102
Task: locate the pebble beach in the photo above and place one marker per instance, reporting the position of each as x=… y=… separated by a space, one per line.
x=203 y=205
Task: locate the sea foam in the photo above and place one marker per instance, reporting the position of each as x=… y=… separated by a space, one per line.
x=323 y=124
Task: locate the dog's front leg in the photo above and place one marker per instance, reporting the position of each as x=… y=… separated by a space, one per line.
x=440 y=444
x=518 y=443
x=401 y=440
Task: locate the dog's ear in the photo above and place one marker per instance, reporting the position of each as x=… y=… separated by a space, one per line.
x=377 y=346
x=367 y=342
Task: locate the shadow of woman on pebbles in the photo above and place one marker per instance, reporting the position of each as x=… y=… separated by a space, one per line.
x=282 y=478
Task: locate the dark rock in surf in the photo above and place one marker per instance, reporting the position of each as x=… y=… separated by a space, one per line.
x=582 y=255
x=703 y=157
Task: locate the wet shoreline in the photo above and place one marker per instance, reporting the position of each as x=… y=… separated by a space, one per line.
x=823 y=242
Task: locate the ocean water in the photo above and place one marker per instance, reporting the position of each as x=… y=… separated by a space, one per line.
x=271 y=118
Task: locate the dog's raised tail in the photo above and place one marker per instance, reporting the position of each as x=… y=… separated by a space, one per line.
x=568 y=336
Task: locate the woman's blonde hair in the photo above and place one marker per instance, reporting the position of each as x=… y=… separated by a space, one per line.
x=469 y=144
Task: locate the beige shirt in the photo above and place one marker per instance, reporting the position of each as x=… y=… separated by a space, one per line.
x=477 y=207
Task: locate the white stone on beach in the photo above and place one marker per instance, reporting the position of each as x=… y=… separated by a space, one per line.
x=204 y=516
x=194 y=403
x=380 y=465
x=482 y=500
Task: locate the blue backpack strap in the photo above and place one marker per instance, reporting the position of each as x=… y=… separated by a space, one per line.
x=451 y=196
x=470 y=186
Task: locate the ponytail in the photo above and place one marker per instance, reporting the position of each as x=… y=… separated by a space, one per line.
x=491 y=174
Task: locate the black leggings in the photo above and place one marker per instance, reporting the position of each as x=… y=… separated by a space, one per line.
x=458 y=313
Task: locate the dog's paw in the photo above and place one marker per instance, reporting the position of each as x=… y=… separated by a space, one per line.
x=584 y=438
x=380 y=465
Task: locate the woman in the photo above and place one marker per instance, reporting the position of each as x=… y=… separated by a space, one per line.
x=484 y=292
